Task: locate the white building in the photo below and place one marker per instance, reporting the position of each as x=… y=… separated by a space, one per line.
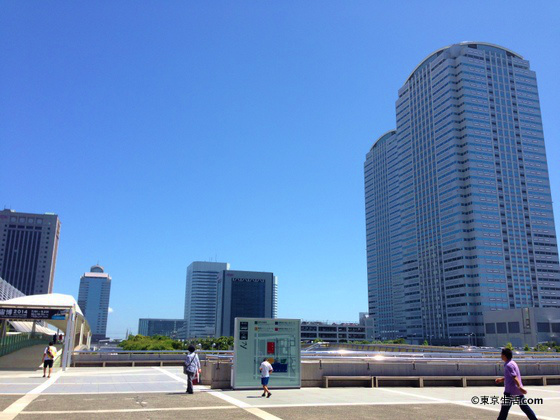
x=332 y=332
x=200 y=299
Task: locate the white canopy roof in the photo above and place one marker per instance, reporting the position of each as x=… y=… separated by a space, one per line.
x=51 y=300
x=27 y=327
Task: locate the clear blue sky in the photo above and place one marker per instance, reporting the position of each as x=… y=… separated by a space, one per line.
x=168 y=132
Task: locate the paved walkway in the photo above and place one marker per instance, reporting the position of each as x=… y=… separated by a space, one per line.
x=159 y=393
x=26 y=358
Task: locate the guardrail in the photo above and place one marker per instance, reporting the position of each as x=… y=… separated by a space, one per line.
x=177 y=357
x=141 y=357
x=15 y=342
x=415 y=348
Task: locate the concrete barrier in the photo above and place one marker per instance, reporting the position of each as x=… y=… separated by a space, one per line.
x=313 y=373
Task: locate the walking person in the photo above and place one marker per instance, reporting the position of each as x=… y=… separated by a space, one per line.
x=48 y=358
x=192 y=368
x=266 y=370
x=513 y=387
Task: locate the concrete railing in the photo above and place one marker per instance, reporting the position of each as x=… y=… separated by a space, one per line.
x=217 y=374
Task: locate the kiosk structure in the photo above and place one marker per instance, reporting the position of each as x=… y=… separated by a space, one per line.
x=55 y=309
x=277 y=340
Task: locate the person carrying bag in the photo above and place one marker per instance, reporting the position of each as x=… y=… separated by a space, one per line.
x=191 y=368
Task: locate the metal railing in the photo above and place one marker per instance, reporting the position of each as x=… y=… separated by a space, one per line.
x=14 y=342
x=140 y=357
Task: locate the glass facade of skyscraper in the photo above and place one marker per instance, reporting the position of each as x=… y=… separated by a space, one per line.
x=93 y=299
x=200 y=299
x=458 y=205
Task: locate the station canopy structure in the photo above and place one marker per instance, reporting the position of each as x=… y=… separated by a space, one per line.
x=58 y=310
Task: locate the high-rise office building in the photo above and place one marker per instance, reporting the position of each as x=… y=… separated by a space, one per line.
x=28 y=248
x=249 y=294
x=459 y=214
x=157 y=326
x=200 y=299
x=93 y=299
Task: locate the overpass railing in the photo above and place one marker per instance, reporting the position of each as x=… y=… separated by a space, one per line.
x=140 y=357
x=14 y=342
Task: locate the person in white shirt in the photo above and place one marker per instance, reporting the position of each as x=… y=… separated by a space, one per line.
x=266 y=370
x=192 y=368
x=48 y=358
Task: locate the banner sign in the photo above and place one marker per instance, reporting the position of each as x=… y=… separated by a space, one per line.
x=32 y=313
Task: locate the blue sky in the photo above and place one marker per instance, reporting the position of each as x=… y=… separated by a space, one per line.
x=168 y=132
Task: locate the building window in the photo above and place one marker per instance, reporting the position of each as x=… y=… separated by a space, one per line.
x=556 y=327
x=491 y=328
x=513 y=327
x=501 y=327
x=543 y=327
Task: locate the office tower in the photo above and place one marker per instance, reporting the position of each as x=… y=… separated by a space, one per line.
x=93 y=299
x=200 y=299
x=382 y=195
x=156 y=326
x=458 y=204
x=28 y=250
x=249 y=294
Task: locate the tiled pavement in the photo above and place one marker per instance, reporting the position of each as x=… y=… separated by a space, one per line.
x=159 y=393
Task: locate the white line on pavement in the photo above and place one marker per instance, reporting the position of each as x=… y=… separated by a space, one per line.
x=255 y=411
x=133 y=410
x=178 y=378
x=80 y=374
x=537 y=389
x=18 y=406
x=115 y=383
x=467 y=404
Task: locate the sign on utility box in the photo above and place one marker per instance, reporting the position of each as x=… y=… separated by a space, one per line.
x=277 y=340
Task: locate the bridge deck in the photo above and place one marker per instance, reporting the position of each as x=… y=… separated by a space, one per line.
x=158 y=393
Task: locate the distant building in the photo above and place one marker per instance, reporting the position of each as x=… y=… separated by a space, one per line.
x=521 y=326
x=249 y=294
x=28 y=250
x=367 y=321
x=93 y=299
x=200 y=299
x=332 y=333
x=155 y=326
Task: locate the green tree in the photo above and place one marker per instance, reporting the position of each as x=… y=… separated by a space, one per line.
x=425 y=343
x=509 y=346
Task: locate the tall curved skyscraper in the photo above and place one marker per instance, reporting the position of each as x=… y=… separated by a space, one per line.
x=93 y=299
x=459 y=213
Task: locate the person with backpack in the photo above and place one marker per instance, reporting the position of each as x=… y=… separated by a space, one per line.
x=48 y=358
x=191 y=368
